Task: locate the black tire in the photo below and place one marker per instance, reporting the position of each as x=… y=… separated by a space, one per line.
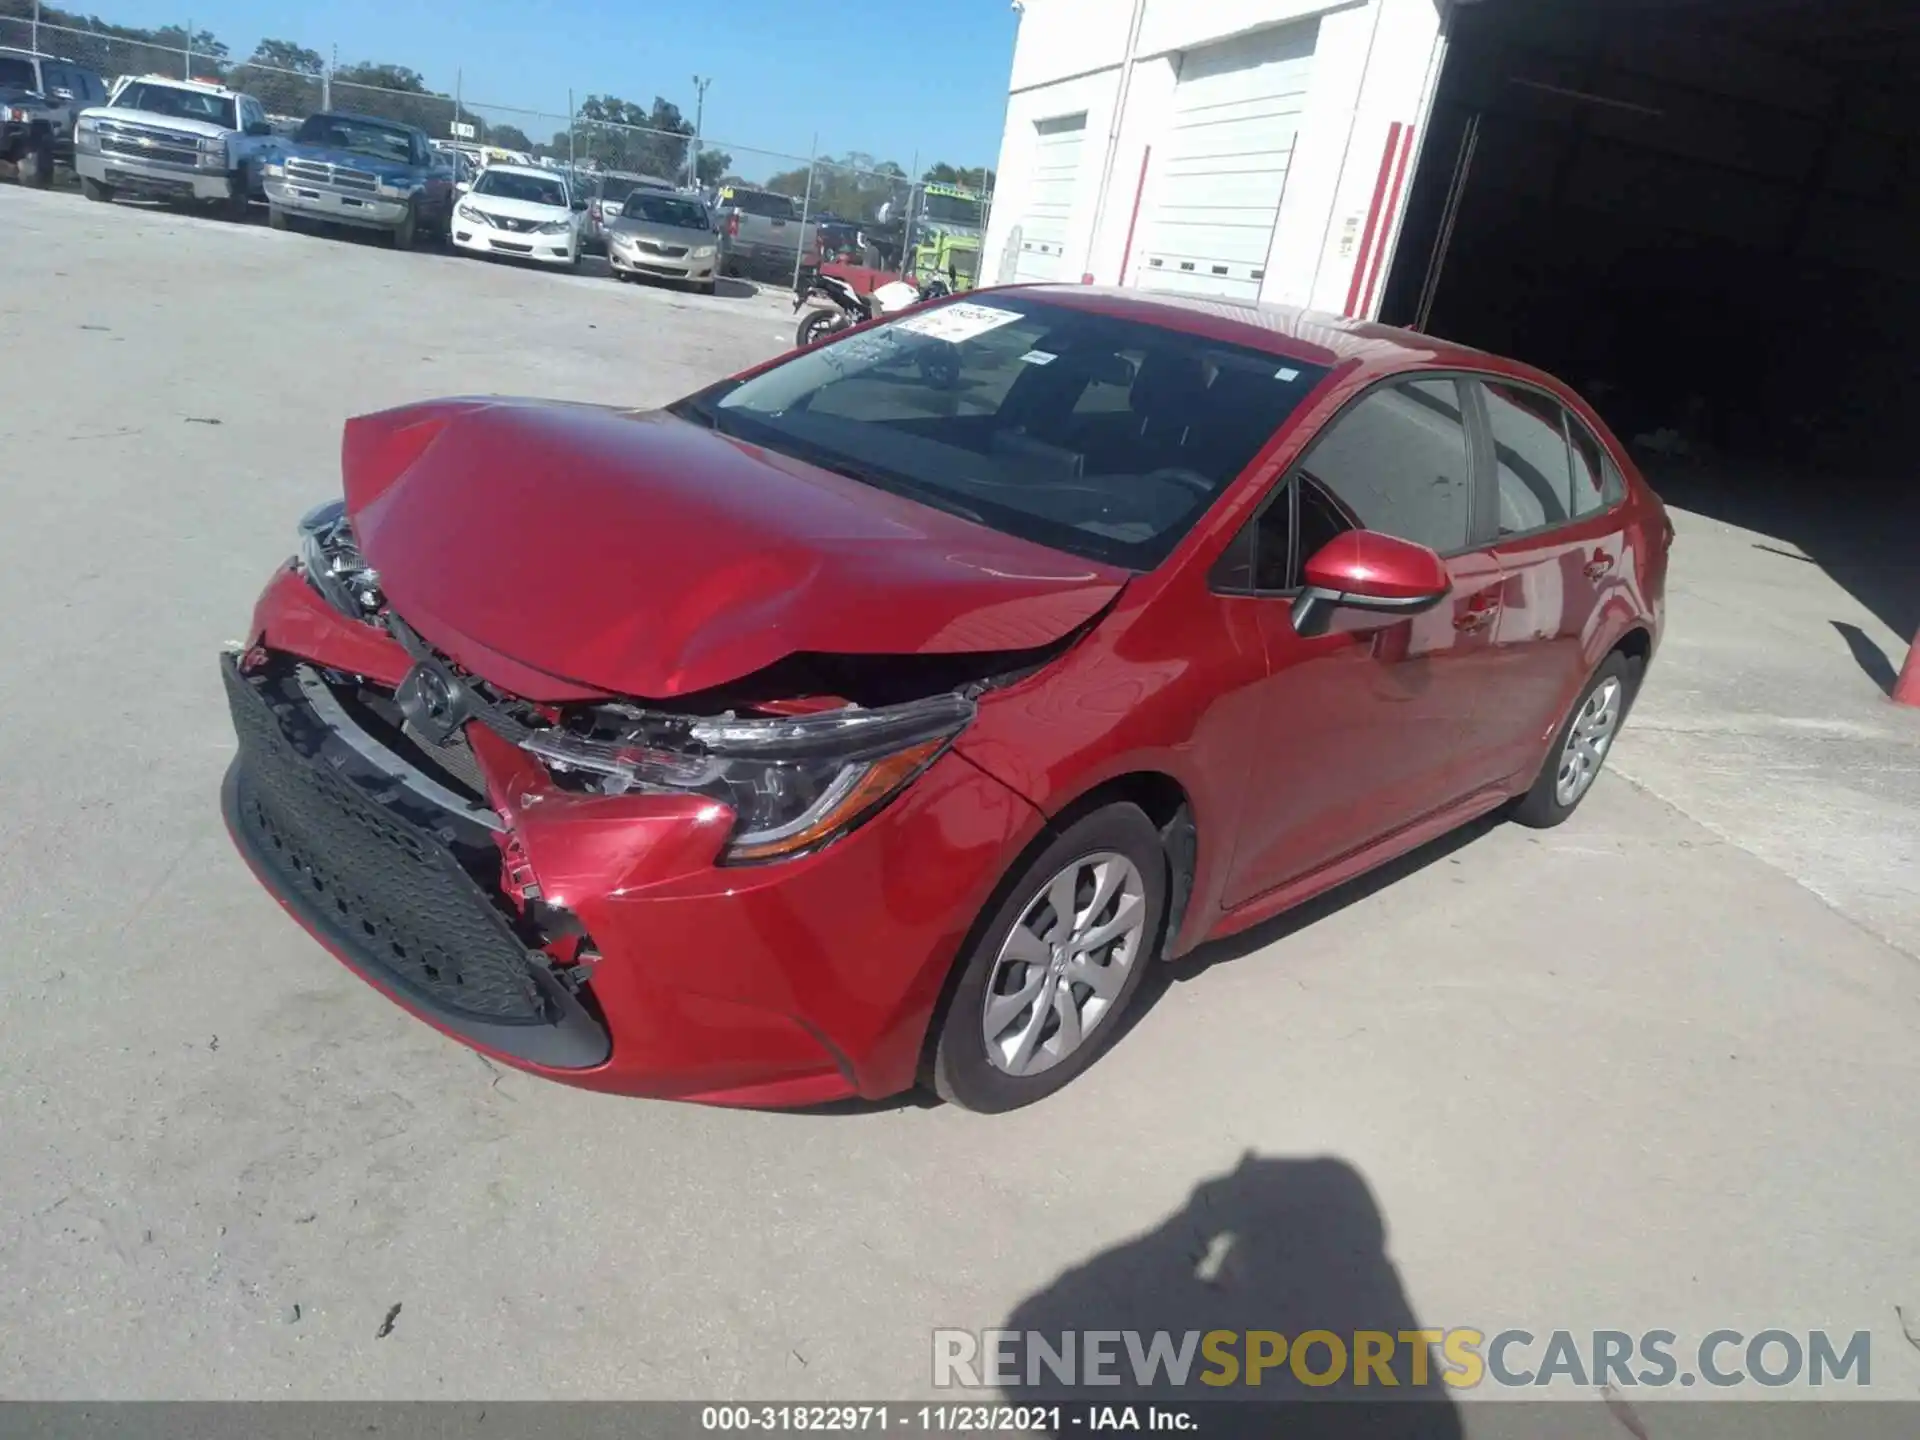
x=278 y=219
x=96 y=191
x=961 y=1070
x=816 y=326
x=710 y=286
x=36 y=166
x=237 y=205
x=1543 y=806
x=407 y=233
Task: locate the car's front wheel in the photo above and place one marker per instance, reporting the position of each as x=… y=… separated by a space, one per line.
x=1581 y=747
x=1041 y=992
x=36 y=166
x=95 y=190
x=407 y=232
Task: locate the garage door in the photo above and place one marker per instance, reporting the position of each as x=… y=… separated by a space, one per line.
x=1221 y=171
x=1049 y=209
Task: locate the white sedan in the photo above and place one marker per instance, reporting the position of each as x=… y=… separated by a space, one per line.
x=522 y=212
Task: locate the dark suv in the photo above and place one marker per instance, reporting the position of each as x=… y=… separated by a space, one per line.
x=39 y=97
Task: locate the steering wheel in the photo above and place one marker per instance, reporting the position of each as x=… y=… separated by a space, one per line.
x=1189 y=479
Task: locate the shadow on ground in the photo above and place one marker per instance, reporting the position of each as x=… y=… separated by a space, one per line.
x=1282 y=1246
x=1860 y=532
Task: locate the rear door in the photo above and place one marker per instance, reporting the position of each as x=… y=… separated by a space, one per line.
x=1377 y=720
x=1556 y=527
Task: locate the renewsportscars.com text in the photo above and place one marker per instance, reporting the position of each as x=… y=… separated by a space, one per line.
x=1459 y=1358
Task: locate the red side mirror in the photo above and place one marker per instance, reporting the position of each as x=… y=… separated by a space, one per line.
x=1365 y=570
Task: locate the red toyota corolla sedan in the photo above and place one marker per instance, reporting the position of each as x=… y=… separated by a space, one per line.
x=879 y=716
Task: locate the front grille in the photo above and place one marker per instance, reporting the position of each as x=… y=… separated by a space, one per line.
x=512 y=223
x=337 y=177
x=655 y=247
x=155 y=146
x=393 y=883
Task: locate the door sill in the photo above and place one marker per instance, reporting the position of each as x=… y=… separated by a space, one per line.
x=1356 y=863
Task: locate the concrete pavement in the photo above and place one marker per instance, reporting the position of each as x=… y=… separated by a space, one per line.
x=1652 y=1069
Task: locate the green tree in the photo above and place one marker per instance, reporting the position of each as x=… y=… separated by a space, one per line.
x=979 y=177
x=508 y=137
x=712 y=165
x=284 y=77
x=392 y=92
x=622 y=135
x=117 y=49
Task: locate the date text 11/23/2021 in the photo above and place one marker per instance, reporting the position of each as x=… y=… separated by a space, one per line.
x=965 y=1419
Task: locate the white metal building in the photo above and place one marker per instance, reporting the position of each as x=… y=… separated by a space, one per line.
x=1232 y=147
x=1672 y=203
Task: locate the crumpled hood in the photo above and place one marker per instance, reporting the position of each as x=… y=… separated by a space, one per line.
x=563 y=549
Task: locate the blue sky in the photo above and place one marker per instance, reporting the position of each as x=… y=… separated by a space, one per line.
x=781 y=69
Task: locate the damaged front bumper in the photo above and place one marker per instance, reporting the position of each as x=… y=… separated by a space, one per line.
x=597 y=939
x=392 y=869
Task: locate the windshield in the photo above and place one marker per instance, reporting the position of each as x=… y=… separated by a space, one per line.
x=179 y=104
x=951 y=210
x=534 y=189
x=658 y=209
x=1102 y=437
x=362 y=137
x=762 y=202
x=17 y=74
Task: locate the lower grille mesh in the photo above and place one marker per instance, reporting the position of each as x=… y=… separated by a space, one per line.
x=404 y=897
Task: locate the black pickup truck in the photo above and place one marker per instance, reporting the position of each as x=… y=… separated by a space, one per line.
x=39 y=97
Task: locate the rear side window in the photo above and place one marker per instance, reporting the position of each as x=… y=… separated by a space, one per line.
x=1530 y=457
x=1590 y=466
x=1396 y=462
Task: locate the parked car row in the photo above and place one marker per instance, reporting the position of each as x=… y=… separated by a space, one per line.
x=197 y=141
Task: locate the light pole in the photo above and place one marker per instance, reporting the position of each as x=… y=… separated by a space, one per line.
x=699 y=110
x=34 y=43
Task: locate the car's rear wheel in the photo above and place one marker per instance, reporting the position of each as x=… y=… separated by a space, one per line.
x=1582 y=745
x=1040 y=994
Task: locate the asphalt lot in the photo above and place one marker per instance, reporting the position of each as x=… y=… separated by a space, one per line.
x=1654 y=1069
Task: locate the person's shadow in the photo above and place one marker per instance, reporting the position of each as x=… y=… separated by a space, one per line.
x=1274 y=1245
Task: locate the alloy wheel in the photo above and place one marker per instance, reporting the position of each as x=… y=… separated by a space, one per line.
x=1588 y=738
x=1064 y=963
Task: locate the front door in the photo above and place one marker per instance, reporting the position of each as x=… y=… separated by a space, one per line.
x=1373 y=724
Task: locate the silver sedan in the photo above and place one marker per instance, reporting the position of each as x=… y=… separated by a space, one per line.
x=665 y=237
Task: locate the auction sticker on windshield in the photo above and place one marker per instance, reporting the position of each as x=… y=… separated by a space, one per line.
x=960 y=321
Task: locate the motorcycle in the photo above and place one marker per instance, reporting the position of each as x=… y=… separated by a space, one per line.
x=848 y=307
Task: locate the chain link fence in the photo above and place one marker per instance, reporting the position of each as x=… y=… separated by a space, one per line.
x=102 y=51
x=863 y=212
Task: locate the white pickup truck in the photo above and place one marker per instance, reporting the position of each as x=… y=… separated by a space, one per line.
x=175 y=140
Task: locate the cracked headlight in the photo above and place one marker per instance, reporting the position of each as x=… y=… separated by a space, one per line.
x=331 y=559
x=793 y=784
